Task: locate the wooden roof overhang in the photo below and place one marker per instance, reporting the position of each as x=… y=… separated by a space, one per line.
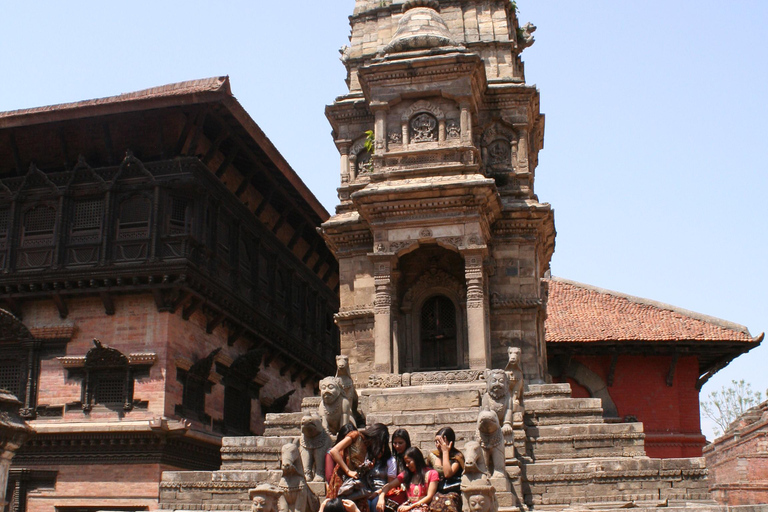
x=712 y=355
x=199 y=118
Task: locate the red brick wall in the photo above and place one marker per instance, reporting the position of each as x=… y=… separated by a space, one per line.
x=670 y=414
x=103 y=486
x=738 y=463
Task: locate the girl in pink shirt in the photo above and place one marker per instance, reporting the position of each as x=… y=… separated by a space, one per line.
x=420 y=483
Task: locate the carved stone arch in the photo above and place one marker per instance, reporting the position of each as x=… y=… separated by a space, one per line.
x=431 y=280
x=497 y=130
x=594 y=384
x=131 y=168
x=11 y=328
x=35 y=179
x=499 y=146
x=423 y=106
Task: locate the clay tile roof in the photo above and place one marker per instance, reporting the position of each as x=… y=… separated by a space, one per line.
x=214 y=84
x=50 y=333
x=581 y=313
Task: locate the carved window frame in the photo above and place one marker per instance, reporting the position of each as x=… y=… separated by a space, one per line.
x=135 y=229
x=89 y=233
x=38 y=237
x=176 y=226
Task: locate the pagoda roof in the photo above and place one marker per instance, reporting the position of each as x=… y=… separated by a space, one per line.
x=578 y=312
x=584 y=319
x=45 y=135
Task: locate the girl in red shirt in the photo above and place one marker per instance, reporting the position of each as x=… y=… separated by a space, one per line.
x=420 y=483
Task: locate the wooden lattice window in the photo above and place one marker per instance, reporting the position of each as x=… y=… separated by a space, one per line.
x=193 y=398
x=439 y=349
x=244 y=256
x=10 y=376
x=39 y=224
x=86 y=220
x=5 y=217
x=180 y=216
x=264 y=270
x=133 y=218
x=109 y=388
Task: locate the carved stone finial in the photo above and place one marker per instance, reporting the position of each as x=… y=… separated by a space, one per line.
x=421 y=27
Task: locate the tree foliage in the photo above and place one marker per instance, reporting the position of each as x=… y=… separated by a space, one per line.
x=725 y=406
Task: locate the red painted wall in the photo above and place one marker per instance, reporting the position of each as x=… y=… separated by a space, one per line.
x=670 y=414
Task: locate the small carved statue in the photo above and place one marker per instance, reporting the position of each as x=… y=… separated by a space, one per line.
x=347 y=384
x=334 y=409
x=480 y=497
x=515 y=376
x=264 y=498
x=498 y=399
x=525 y=35
x=315 y=441
x=296 y=495
x=475 y=470
x=489 y=435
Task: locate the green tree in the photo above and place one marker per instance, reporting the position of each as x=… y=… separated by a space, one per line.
x=725 y=406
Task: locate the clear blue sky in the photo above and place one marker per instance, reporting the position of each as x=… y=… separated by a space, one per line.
x=654 y=156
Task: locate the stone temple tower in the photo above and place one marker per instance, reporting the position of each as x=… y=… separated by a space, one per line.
x=440 y=238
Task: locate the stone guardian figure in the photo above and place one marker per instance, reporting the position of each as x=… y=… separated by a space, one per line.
x=296 y=495
x=334 y=409
x=314 y=442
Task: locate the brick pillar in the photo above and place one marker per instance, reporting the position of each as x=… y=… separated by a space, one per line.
x=13 y=432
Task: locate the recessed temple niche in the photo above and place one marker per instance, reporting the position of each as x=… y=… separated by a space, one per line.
x=431 y=320
x=434 y=120
x=360 y=162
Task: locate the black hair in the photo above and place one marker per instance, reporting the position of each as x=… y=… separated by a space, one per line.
x=450 y=436
x=334 y=505
x=417 y=457
x=344 y=431
x=377 y=440
x=402 y=434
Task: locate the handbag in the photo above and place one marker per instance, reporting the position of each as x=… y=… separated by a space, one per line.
x=353 y=489
x=445 y=502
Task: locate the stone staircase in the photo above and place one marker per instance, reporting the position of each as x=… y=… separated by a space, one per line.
x=565 y=456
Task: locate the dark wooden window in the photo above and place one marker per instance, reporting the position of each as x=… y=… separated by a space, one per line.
x=439 y=349
x=237 y=410
x=109 y=388
x=180 y=216
x=194 y=394
x=87 y=217
x=5 y=216
x=133 y=218
x=11 y=375
x=39 y=224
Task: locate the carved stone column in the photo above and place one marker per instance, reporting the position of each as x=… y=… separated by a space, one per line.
x=479 y=343
x=13 y=432
x=380 y=128
x=382 y=310
x=347 y=173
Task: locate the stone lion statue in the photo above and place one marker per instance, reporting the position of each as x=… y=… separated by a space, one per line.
x=498 y=399
x=515 y=376
x=334 y=409
x=347 y=384
x=264 y=498
x=296 y=495
x=314 y=442
x=489 y=436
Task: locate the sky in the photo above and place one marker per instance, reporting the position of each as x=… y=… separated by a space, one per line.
x=656 y=115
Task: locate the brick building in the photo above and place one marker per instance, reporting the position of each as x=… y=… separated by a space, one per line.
x=163 y=284
x=738 y=460
x=644 y=359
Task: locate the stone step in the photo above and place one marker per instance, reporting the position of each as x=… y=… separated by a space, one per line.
x=573 y=482
x=563 y=411
x=283 y=424
x=590 y=440
x=537 y=391
x=252 y=453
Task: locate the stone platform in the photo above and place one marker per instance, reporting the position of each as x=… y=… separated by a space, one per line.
x=565 y=456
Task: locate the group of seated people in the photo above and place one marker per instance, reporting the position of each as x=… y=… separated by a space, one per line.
x=365 y=474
